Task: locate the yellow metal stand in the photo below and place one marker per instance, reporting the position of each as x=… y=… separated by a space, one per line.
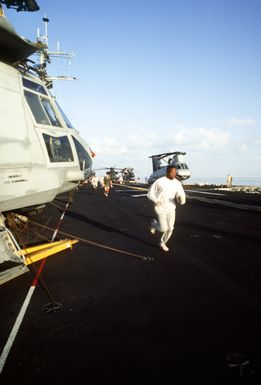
x=36 y=253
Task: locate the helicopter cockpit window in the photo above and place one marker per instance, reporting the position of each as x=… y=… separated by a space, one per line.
x=34 y=86
x=59 y=149
x=50 y=112
x=83 y=156
x=67 y=121
x=36 y=108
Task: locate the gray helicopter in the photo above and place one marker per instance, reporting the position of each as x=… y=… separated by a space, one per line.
x=126 y=174
x=41 y=152
x=161 y=161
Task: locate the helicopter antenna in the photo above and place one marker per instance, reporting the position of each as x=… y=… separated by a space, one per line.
x=45 y=37
x=45 y=55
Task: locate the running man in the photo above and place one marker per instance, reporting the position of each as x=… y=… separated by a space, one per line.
x=164 y=193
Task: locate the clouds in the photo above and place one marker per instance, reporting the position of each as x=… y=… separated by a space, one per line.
x=133 y=147
x=237 y=121
x=202 y=138
x=142 y=139
x=257 y=142
x=110 y=146
x=209 y=149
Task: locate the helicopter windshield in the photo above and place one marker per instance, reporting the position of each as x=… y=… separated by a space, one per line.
x=36 y=108
x=42 y=109
x=50 y=112
x=67 y=121
x=83 y=156
x=34 y=86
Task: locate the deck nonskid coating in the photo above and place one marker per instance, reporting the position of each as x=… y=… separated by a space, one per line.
x=126 y=321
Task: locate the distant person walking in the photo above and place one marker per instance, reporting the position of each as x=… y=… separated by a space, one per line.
x=101 y=182
x=94 y=182
x=107 y=184
x=164 y=193
x=229 y=180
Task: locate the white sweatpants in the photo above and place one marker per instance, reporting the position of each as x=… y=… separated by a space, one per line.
x=166 y=221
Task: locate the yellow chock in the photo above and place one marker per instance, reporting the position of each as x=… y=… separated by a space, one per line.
x=36 y=253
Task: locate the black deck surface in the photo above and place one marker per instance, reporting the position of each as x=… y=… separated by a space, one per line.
x=177 y=319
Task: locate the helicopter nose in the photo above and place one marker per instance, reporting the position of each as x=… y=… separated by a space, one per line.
x=72 y=175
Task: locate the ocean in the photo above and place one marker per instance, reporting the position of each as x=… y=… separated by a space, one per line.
x=237 y=181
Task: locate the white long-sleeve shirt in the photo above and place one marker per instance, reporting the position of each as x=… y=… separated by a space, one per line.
x=164 y=192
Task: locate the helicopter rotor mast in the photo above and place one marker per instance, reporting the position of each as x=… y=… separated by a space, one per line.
x=21 y=5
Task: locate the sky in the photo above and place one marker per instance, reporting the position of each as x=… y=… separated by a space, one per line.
x=158 y=76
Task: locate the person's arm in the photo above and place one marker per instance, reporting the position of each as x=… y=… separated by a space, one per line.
x=180 y=195
x=153 y=193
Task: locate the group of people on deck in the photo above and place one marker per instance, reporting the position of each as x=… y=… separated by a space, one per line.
x=105 y=182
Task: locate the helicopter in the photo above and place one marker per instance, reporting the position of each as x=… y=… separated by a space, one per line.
x=111 y=172
x=176 y=159
x=41 y=152
x=127 y=174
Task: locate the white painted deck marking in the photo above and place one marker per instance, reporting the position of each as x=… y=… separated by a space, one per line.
x=15 y=329
x=24 y=307
x=240 y=206
x=205 y=192
x=123 y=191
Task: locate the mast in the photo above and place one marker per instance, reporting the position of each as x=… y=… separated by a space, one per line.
x=45 y=55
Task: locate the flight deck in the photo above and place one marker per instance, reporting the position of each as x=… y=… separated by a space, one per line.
x=132 y=313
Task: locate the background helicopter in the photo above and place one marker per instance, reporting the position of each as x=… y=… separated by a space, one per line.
x=176 y=158
x=127 y=173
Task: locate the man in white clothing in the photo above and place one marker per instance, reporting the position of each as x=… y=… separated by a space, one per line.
x=164 y=193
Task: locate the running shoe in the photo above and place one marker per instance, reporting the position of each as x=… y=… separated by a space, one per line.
x=163 y=246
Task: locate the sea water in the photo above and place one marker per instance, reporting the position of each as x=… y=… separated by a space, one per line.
x=237 y=181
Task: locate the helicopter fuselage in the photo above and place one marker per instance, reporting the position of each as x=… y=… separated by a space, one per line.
x=182 y=173
x=41 y=154
x=176 y=160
